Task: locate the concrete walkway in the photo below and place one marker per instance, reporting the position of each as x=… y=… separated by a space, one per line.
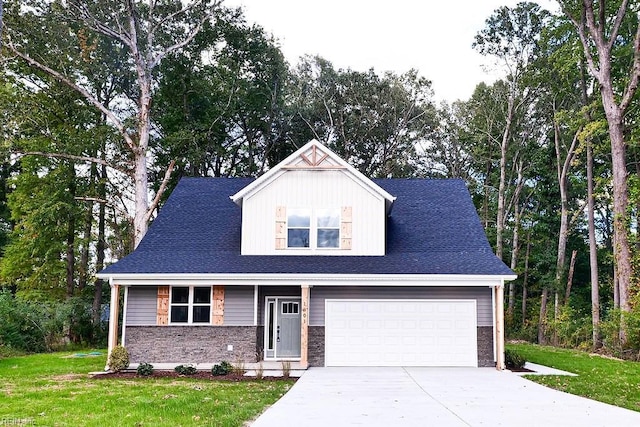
x=440 y=397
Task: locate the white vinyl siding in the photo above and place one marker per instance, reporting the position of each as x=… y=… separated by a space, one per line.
x=319 y=294
x=313 y=189
x=141 y=305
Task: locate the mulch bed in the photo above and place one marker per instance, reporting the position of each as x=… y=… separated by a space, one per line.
x=520 y=370
x=200 y=375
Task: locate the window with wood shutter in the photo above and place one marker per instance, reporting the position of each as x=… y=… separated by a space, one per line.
x=345 y=227
x=190 y=305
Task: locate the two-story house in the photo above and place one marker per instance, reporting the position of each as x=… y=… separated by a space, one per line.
x=316 y=263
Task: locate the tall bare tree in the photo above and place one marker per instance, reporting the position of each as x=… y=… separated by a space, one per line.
x=599 y=32
x=511 y=36
x=147 y=31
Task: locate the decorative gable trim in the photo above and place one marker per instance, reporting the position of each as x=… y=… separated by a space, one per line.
x=313 y=156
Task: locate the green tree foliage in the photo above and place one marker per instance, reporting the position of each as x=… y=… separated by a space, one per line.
x=374 y=122
x=220 y=102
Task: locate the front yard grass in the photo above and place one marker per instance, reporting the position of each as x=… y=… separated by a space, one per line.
x=612 y=381
x=55 y=390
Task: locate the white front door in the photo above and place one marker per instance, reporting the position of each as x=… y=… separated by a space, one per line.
x=282 y=328
x=400 y=333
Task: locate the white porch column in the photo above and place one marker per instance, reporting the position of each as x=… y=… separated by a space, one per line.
x=499 y=332
x=304 y=327
x=114 y=313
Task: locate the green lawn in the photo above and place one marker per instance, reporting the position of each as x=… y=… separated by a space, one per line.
x=611 y=381
x=54 y=390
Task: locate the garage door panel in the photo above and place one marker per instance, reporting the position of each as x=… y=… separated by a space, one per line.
x=400 y=332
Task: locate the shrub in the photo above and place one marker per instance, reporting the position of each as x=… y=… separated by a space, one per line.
x=119 y=359
x=222 y=369
x=286 y=369
x=513 y=359
x=238 y=368
x=185 y=369
x=260 y=371
x=23 y=325
x=145 y=369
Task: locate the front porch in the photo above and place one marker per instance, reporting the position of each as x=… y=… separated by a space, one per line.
x=257 y=323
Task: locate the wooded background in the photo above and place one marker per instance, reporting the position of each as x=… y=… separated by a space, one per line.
x=104 y=106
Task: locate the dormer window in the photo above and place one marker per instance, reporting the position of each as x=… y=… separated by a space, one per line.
x=328 y=228
x=298 y=228
x=315 y=229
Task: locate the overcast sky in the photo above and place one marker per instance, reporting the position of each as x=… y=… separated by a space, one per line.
x=433 y=36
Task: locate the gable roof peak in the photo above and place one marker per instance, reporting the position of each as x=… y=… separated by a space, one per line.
x=313 y=156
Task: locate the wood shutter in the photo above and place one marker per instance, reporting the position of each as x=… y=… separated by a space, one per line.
x=346 y=220
x=218 y=305
x=281 y=227
x=162 y=310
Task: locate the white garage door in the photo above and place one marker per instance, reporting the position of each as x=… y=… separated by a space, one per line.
x=400 y=333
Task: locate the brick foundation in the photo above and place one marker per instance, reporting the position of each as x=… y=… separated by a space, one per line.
x=191 y=344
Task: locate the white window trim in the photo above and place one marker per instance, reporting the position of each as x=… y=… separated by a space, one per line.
x=190 y=304
x=313 y=230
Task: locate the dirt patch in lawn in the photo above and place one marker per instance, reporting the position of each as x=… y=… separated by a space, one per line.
x=199 y=375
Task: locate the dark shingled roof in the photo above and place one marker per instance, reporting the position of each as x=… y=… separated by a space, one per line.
x=433 y=229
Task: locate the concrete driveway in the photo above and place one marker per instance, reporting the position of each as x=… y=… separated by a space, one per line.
x=433 y=397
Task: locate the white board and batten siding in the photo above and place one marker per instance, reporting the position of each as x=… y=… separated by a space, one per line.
x=142 y=305
x=313 y=189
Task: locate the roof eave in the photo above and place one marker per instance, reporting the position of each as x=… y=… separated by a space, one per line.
x=311 y=279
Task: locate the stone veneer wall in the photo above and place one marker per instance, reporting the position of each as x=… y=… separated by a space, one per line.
x=190 y=344
x=316 y=346
x=485 y=346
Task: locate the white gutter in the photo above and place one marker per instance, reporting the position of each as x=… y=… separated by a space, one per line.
x=313 y=279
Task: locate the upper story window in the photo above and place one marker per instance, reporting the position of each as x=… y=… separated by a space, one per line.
x=328 y=228
x=319 y=228
x=190 y=304
x=298 y=228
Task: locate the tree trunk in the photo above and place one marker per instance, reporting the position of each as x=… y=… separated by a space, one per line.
x=503 y=178
x=556 y=312
x=525 y=279
x=514 y=264
x=86 y=238
x=542 y=321
x=593 y=252
x=71 y=235
x=563 y=166
x=100 y=248
x=572 y=265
